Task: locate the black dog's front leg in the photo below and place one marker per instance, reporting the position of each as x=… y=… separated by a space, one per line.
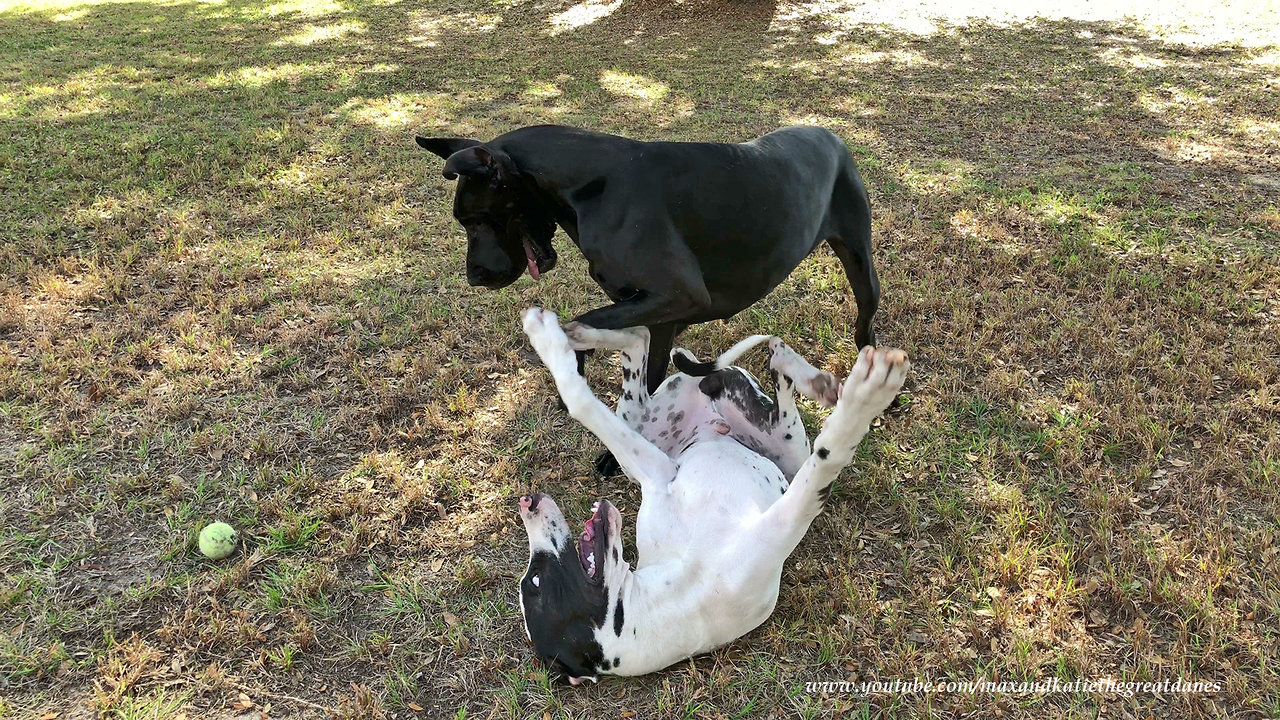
x=661 y=338
x=645 y=309
x=633 y=313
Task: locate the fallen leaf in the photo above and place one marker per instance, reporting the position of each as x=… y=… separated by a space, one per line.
x=414 y=707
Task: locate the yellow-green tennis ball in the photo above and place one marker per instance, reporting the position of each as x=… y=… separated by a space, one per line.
x=217 y=540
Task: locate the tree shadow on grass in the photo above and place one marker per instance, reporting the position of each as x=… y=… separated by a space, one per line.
x=126 y=101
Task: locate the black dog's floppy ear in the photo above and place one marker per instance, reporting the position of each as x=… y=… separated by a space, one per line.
x=444 y=147
x=481 y=163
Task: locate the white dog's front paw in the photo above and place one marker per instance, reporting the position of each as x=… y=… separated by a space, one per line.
x=549 y=341
x=585 y=337
x=875 y=380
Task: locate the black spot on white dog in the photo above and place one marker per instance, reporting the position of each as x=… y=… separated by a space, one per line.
x=823 y=453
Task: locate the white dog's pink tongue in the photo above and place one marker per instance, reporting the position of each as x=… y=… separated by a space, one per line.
x=533 y=264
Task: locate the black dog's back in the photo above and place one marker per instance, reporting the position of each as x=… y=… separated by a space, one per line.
x=747 y=212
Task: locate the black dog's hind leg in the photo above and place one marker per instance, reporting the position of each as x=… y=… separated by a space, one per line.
x=850 y=239
x=866 y=287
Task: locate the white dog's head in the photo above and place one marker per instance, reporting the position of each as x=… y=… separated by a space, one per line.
x=565 y=591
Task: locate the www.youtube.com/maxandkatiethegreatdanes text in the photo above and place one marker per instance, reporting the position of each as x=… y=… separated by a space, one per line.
x=1108 y=686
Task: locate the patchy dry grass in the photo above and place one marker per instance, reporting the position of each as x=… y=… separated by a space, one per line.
x=231 y=289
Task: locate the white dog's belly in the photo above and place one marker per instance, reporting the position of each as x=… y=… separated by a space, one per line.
x=724 y=472
x=719 y=491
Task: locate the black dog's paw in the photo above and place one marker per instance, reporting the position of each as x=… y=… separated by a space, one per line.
x=607 y=465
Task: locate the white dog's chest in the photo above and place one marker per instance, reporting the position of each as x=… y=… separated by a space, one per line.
x=720 y=489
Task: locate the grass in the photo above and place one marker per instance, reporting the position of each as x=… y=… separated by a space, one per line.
x=232 y=289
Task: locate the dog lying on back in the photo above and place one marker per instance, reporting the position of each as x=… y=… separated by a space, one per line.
x=729 y=489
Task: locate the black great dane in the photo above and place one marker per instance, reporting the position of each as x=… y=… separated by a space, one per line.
x=675 y=233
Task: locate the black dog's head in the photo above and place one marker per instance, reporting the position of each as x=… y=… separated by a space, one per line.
x=565 y=592
x=507 y=230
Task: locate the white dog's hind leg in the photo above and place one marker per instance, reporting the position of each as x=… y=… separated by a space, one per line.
x=792 y=372
x=872 y=385
x=639 y=458
x=793 y=369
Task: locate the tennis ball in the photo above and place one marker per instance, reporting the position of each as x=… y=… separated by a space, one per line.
x=217 y=540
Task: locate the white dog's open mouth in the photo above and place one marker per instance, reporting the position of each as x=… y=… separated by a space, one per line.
x=593 y=543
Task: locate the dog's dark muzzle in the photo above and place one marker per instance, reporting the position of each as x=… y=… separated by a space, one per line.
x=478 y=276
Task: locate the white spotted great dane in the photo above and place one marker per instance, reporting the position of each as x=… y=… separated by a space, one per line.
x=729 y=488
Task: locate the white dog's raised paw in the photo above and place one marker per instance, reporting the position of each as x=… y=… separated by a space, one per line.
x=825 y=389
x=543 y=328
x=818 y=385
x=875 y=379
x=585 y=337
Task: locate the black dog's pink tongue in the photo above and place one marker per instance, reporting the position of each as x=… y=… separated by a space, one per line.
x=533 y=264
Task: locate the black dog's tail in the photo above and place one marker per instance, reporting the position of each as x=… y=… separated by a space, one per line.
x=686 y=363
